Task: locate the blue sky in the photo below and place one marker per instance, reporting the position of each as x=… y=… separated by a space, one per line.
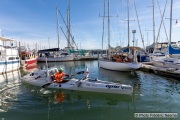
x=34 y=21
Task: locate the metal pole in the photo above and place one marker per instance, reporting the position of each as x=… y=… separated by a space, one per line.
x=108 y=29
x=103 y=24
x=170 y=22
x=57 y=25
x=69 y=27
x=48 y=42
x=128 y=22
x=133 y=31
x=153 y=22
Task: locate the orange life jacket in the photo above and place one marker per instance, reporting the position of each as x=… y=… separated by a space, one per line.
x=59 y=76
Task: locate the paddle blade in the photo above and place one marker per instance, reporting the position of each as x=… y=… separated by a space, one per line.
x=46 y=85
x=81 y=72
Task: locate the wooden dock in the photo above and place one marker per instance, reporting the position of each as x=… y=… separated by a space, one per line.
x=167 y=72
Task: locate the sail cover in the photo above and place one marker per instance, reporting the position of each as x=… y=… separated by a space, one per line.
x=174 y=50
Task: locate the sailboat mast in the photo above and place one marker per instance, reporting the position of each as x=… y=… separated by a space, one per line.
x=128 y=22
x=69 y=39
x=109 y=28
x=103 y=24
x=57 y=25
x=153 y=22
x=170 y=22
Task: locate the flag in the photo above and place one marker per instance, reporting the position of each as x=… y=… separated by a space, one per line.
x=87 y=73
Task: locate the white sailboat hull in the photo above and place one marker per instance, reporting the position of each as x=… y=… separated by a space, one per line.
x=119 y=66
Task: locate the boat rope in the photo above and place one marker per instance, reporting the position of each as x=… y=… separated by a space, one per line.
x=139 y=25
x=66 y=37
x=162 y=21
x=67 y=29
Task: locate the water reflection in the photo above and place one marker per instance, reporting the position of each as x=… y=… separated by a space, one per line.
x=9 y=84
x=69 y=104
x=64 y=102
x=116 y=76
x=31 y=68
x=28 y=69
x=59 y=96
x=9 y=79
x=152 y=93
x=65 y=96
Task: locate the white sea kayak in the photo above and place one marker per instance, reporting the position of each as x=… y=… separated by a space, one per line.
x=42 y=78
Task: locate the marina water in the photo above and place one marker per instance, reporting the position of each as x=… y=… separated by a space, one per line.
x=152 y=94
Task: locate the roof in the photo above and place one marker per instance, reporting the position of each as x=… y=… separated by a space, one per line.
x=5 y=39
x=48 y=50
x=133 y=48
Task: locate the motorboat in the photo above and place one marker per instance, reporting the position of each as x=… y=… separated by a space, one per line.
x=28 y=57
x=9 y=57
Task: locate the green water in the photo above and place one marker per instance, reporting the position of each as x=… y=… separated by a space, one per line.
x=152 y=94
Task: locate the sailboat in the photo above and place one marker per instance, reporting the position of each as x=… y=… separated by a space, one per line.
x=55 y=54
x=119 y=61
x=169 y=62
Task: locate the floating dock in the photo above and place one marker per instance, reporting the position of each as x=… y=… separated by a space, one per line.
x=167 y=72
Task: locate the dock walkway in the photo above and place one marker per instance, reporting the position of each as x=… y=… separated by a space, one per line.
x=167 y=72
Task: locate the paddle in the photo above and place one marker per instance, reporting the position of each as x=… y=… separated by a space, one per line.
x=46 y=85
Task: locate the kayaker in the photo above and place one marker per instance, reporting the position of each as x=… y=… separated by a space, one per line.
x=60 y=75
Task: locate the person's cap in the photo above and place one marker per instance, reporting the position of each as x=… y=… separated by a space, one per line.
x=60 y=69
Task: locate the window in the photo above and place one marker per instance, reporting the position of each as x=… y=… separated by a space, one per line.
x=11 y=58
